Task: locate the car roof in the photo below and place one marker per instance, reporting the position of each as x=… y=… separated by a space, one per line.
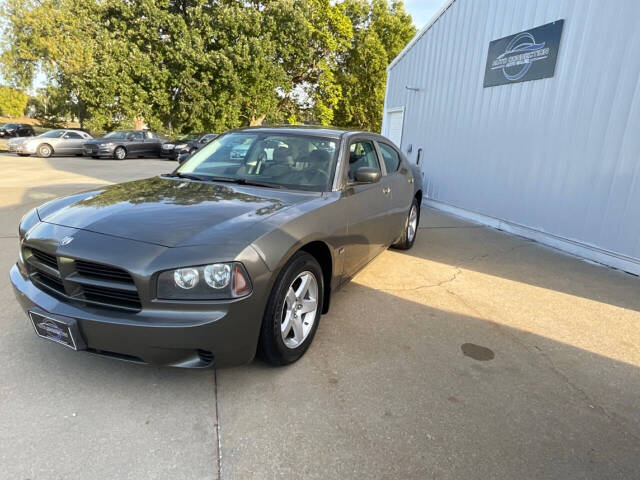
x=320 y=131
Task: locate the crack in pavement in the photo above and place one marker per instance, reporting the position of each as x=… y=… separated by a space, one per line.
x=217 y=424
x=585 y=396
x=457 y=272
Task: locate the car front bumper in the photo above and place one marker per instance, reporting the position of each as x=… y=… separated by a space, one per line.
x=98 y=150
x=24 y=148
x=225 y=334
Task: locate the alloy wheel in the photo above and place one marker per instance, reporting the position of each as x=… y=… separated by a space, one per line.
x=299 y=310
x=45 y=151
x=412 y=225
x=120 y=153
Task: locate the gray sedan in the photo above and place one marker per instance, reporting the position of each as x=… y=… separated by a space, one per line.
x=239 y=250
x=53 y=142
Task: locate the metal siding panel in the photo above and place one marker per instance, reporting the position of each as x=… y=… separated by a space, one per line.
x=559 y=155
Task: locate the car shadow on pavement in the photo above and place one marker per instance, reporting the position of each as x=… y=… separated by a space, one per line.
x=393 y=388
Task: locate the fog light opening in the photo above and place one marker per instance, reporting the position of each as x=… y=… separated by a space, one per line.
x=205 y=356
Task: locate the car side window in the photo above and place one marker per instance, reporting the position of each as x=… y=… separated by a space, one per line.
x=362 y=154
x=137 y=136
x=73 y=135
x=390 y=157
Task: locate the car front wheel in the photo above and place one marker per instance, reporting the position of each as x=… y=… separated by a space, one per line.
x=293 y=311
x=119 y=153
x=45 y=150
x=410 y=231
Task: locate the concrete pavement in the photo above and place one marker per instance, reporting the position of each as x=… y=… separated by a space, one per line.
x=473 y=355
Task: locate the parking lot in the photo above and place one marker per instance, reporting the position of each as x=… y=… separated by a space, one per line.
x=474 y=355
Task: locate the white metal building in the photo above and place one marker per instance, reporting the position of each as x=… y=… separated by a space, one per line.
x=556 y=158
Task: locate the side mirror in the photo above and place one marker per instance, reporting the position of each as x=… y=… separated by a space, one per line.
x=183 y=157
x=368 y=175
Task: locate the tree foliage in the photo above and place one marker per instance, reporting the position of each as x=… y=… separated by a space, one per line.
x=12 y=101
x=194 y=65
x=381 y=31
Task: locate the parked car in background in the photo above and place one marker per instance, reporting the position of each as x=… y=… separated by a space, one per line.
x=238 y=250
x=53 y=142
x=125 y=143
x=16 y=130
x=167 y=150
x=188 y=144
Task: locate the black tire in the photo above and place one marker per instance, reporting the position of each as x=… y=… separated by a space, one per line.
x=272 y=346
x=45 y=150
x=95 y=156
x=406 y=239
x=23 y=154
x=120 y=153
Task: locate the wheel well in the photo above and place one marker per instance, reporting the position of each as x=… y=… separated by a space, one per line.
x=320 y=251
x=419 y=197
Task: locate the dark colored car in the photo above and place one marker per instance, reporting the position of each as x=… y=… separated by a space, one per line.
x=188 y=144
x=16 y=130
x=223 y=257
x=125 y=144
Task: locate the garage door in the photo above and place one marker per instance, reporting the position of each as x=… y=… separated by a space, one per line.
x=395 y=121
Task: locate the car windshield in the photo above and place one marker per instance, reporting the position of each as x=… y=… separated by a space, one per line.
x=52 y=134
x=293 y=161
x=116 y=135
x=9 y=125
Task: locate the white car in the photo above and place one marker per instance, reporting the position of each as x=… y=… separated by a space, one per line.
x=53 y=142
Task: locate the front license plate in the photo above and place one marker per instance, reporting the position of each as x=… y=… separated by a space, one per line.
x=56 y=330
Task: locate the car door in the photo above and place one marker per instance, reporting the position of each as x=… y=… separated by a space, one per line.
x=71 y=143
x=135 y=143
x=151 y=144
x=365 y=205
x=399 y=183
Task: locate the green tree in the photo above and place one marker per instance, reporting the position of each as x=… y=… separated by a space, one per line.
x=191 y=65
x=12 y=101
x=51 y=106
x=381 y=31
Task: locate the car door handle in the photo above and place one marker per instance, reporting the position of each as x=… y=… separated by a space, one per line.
x=386 y=190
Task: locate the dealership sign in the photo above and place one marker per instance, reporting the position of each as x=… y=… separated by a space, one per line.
x=528 y=55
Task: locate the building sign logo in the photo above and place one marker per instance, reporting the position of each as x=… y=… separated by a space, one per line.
x=519 y=57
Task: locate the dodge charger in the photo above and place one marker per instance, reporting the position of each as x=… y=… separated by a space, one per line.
x=236 y=252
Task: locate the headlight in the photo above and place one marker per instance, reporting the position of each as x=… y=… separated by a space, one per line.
x=108 y=144
x=180 y=146
x=218 y=281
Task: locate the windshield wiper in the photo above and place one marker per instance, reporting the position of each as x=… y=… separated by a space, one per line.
x=188 y=176
x=244 y=181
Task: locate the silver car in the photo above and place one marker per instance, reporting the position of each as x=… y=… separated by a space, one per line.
x=53 y=142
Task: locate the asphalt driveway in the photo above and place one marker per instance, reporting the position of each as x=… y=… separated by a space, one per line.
x=474 y=355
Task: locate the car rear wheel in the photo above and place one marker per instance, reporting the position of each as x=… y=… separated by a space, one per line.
x=23 y=154
x=293 y=311
x=120 y=153
x=45 y=150
x=410 y=231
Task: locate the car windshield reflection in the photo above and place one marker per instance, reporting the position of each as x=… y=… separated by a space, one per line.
x=300 y=162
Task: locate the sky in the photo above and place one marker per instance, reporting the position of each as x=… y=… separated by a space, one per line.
x=423 y=10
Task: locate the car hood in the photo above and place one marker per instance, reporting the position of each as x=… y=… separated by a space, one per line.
x=170 y=212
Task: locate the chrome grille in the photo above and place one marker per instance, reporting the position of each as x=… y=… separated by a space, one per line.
x=83 y=281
